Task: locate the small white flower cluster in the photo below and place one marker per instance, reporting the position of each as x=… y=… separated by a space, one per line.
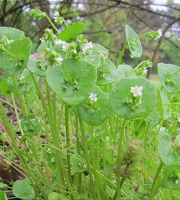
x=177 y=181
x=63 y=43
x=137 y=92
x=59 y=60
x=56 y=16
x=103 y=55
x=144 y=71
x=93 y=97
x=87 y=48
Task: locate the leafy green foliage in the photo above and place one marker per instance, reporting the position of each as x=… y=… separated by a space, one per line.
x=170 y=77
x=22 y=189
x=71 y=33
x=120 y=98
x=74 y=86
x=133 y=43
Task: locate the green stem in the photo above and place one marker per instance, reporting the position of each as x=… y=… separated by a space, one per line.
x=119 y=159
x=155 y=179
x=8 y=52
x=49 y=20
x=121 y=55
x=85 y=149
x=67 y=74
x=174 y=73
x=121 y=184
x=68 y=142
x=135 y=68
x=19 y=97
x=17 y=116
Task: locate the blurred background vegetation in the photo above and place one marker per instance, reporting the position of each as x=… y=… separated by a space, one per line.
x=105 y=21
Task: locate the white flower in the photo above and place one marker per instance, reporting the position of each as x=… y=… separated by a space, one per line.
x=65 y=46
x=42 y=40
x=84 y=165
x=93 y=97
x=56 y=15
x=177 y=181
x=58 y=41
x=145 y=71
x=136 y=91
x=48 y=150
x=86 y=48
x=159 y=33
x=59 y=60
x=52 y=159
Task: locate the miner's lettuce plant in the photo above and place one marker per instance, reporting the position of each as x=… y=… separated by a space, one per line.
x=89 y=128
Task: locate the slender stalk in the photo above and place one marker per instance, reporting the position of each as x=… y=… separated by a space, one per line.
x=8 y=52
x=68 y=142
x=121 y=54
x=121 y=184
x=155 y=179
x=19 y=97
x=49 y=20
x=119 y=159
x=174 y=73
x=85 y=149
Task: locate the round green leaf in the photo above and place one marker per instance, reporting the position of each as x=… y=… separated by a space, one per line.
x=76 y=90
x=93 y=60
x=170 y=83
x=172 y=177
x=126 y=70
x=98 y=48
x=33 y=66
x=21 y=49
x=168 y=155
x=24 y=83
x=121 y=91
x=11 y=33
x=134 y=45
x=41 y=47
x=23 y=190
x=95 y=113
x=72 y=32
x=108 y=73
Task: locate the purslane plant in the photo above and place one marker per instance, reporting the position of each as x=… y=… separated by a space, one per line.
x=90 y=129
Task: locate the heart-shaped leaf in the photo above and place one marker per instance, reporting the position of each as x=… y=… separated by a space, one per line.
x=170 y=77
x=82 y=77
x=95 y=113
x=134 y=44
x=71 y=33
x=23 y=190
x=121 y=98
